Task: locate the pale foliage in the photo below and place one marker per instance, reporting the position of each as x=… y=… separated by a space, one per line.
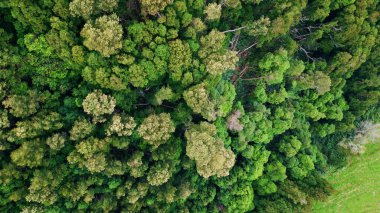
x=4 y=121
x=89 y=154
x=259 y=27
x=3 y=85
x=218 y=63
x=32 y=209
x=233 y=122
x=152 y=7
x=318 y=81
x=81 y=129
x=104 y=36
x=82 y=8
x=36 y=126
x=29 y=154
x=136 y=192
x=180 y=59
x=56 y=141
x=213 y=42
x=232 y=3
x=214 y=55
x=367 y=132
x=98 y=104
x=136 y=165
x=209 y=102
x=322 y=82
x=208 y=151
x=185 y=190
x=156 y=129
x=159 y=174
x=168 y=194
x=107 y=5
x=198 y=25
x=197 y=98
x=121 y=125
x=43 y=186
x=213 y=11
x=86 y=8
x=23 y=105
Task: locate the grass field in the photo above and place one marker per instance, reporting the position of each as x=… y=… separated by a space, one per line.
x=357 y=186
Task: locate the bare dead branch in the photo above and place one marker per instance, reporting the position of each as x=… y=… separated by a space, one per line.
x=256 y=78
x=306 y=53
x=246 y=49
x=234 y=41
x=240 y=28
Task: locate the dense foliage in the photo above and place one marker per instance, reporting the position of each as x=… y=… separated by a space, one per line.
x=180 y=105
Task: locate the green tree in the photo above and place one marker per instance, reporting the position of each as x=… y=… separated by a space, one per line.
x=181 y=105
x=164 y=94
x=274 y=66
x=300 y=165
x=238 y=198
x=258 y=128
x=180 y=59
x=290 y=146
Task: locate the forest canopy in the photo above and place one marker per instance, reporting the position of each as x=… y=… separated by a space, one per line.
x=182 y=105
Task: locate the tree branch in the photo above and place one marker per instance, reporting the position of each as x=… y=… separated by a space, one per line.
x=307 y=53
x=234 y=42
x=246 y=49
x=240 y=28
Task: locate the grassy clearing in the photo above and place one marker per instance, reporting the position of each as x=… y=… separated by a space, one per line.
x=357 y=185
